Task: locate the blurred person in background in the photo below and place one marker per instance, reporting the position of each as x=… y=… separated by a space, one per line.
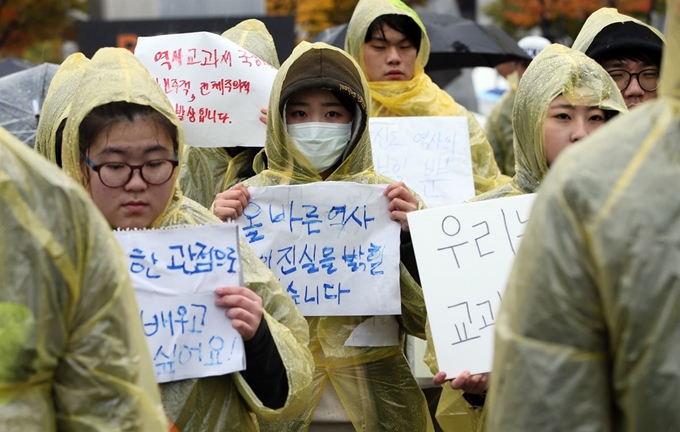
x=628 y=49
x=587 y=336
x=499 y=124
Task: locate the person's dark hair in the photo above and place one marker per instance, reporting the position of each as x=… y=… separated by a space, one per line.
x=401 y=23
x=101 y=118
x=645 y=57
x=59 y=137
x=610 y=114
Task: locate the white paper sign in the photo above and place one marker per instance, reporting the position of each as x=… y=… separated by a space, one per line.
x=216 y=87
x=430 y=154
x=332 y=245
x=175 y=273
x=464 y=255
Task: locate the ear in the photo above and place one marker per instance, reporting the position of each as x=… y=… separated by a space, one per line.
x=85 y=172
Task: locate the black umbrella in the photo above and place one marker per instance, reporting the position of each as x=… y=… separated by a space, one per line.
x=13 y=64
x=454 y=42
x=21 y=97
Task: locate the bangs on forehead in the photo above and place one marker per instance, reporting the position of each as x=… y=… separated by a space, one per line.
x=401 y=23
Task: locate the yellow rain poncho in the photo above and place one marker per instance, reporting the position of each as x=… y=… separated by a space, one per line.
x=587 y=336
x=600 y=19
x=583 y=82
x=220 y=403
x=74 y=356
x=57 y=104
x=499 y=129
x=208 y=171
x=419 y=96
x=375 y=384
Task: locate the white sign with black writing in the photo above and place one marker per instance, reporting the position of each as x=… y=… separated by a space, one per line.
x=464 y=255
x=431 y=155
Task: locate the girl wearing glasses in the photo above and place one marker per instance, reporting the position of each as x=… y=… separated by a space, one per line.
x=122 y=141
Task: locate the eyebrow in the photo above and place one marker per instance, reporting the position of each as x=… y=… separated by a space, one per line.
x=380 y=38
x=562 y=106
x=118 y=151
x=305 y=104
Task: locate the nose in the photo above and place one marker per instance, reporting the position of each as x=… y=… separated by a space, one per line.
x=393 y=56
x=579 y=132
x=136 y=182
x=633 y=94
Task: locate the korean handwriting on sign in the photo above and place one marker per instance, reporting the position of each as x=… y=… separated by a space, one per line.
x=466 y=327
x=189 y=259
x=451 y=227
x=311 y=258
x=186 y=319
x=305 y=217
x=317 y=293
x=201 y=115
x=204 y=57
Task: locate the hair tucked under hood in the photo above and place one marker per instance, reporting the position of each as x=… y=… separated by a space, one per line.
x=556 y=71
x=321 y=66
x=116 y=75
x=57 y=104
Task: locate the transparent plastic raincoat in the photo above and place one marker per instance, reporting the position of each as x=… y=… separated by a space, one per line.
x=208 y=171
x=72 y=342
x=419 y=96
x=583 y=82
x=223 y=403
x=600 y=19
x=375 y=384
x=498 y=129
x=587 y=336
x=57 y=104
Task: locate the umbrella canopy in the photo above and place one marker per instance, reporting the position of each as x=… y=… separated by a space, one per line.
x=21 y=97
x=455 y=42
x=13 y=64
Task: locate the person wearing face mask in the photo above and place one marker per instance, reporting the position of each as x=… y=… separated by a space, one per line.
x=207 y=171
x=390 y=43
x=549 y=115
x=628 y=49
x=122 y=143
x=317 y=130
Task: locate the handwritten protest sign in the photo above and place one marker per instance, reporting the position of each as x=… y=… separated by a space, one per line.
x=332 y=245
x=430 y=154
x=174 y=273
x=216 y=87
x=464 y=255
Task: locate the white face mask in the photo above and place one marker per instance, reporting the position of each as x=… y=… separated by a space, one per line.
x=321 y=143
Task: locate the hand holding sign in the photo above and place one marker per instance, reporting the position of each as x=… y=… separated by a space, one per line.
x=244 y=309
x=175 y=273
x=229 y=204
x=402 y=202
x=331 y=244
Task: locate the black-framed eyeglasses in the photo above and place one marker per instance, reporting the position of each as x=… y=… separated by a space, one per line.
x=648 y=79
x=117 y=174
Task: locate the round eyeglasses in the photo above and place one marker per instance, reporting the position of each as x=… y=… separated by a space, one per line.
x=117 y=174
x=648 y=79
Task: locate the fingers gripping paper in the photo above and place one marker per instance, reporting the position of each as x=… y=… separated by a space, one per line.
x=216 y=87
x=464 y=255
x=174 y=274
x=332 y=245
